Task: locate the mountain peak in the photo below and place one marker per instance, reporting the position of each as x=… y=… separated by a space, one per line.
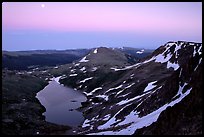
x=103 y=56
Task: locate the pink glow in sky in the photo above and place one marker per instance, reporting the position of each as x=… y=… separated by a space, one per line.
x=105 y=16
x=64 y=25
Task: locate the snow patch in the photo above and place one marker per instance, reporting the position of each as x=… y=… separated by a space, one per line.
x=140 y=51
x=125 y=88
x=73 y=70
x=105 y=97
x=71 y=75
x=106 y=117
x=77 y=64
x=82 y=69
x=175 y=66
x=57 y=79
x=114 y=88
x=85 y=124
x=198 y=64
x=150 y=86
x=84 y=59
x=91 y=93
x=95 y=51
x=94 y=69
x=140 y=122
x=82 y=81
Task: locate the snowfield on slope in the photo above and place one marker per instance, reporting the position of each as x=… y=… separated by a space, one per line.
x=84 y=59
x=137 y=122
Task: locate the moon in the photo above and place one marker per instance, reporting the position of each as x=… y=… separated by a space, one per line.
x=42 y=5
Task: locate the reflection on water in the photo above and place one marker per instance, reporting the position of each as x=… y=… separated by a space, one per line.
x=60 y=103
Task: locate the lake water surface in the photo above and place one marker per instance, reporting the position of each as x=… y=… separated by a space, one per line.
x=60 y=103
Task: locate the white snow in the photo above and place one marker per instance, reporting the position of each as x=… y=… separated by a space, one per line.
x=82 y=81
x=80 y=86
x=150 y=86
x=44 y=71
x=159 y=58
x=129 y=85
x=20 y=73
x=140 y=122
x=127 y=67
x=114 y=88
x=63 y=77
x=84 y=59
x=190 y=43
x=91 y=93
x=71 y=75
x=105 y=97
x=36 y=68
x=94 y=69
x=198 y=64
x=85 y=124
x=77 y=64
x=162 y=59
x=95 y=51
x=137 y=97
x=73 y=70
x=124 y=95
x=29 y=72
x=56 y=67
x=175 y=66
x=169 y=44
x=180 y=72
x=139 y=52
x=82 y=69
x=57 y=79
x=199 y=50
x=132 y=75
x=180 y=90
x=106 y=117
x=111 y=121
x=125 y=88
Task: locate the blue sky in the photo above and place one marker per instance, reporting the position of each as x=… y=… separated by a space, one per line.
x=39 y=26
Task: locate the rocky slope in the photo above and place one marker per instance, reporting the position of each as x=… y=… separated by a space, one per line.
x=93 y=69
x=134 y=96
x=184 y=118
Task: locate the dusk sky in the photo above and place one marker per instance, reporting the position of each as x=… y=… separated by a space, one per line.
x=72 y=25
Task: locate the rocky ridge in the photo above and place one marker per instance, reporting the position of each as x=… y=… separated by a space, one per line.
x=134 y=96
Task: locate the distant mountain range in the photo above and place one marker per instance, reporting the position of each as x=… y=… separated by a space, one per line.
x=24 y=60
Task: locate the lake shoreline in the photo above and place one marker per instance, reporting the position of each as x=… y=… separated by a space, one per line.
x=22 y=113
x=61 y=104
